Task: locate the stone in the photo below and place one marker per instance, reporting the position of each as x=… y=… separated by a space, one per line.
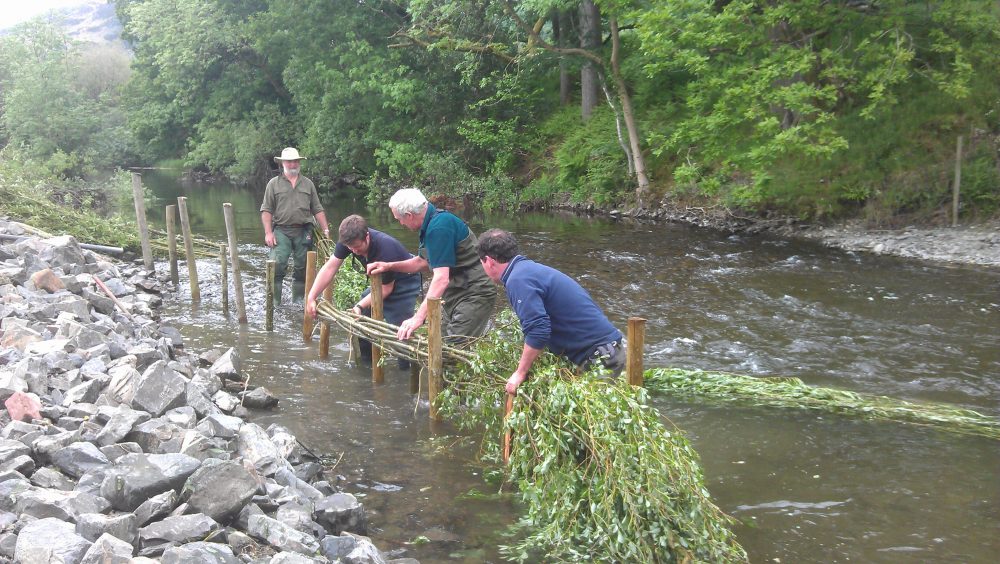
x=23 y=464
x=219 y=490
x=11 y=449
x=122 y=526
x=180 y=529
x=137 y=477
x=228 y=366
x=159 y=389
x=45 y=446
x=100 y=302
x=184 y=417
x=158 y=436
x=291 y=558
x=226 y=401
x=209 y=382
x=220 y=425
x=49 y=540
x=156 y=507
x=47 y=281
x=124 y=380
x=120 y=425
x=201 y=447
x=341 y=512
x=67 y=506
x=86 y=392
x=336 y=548
x=23 y=407
x=281 y=536
x=200 y=553
x=19 y=338
x=253 y=444
x=108 y=549
x=259 y=398
x=364 y=552
x=118 y=450
x=145 y=355
x=62 y=251
x=200 y=401
x=209 y=357
x=76 y=459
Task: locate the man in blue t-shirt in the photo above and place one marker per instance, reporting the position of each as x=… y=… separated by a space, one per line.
x=367 y=245
x=448 y=250
x=554 y=310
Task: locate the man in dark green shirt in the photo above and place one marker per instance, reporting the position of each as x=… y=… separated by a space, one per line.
x=448 y=249
x=290 y=203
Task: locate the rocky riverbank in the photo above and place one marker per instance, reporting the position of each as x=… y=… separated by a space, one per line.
x=975 y=244
x=119 y=445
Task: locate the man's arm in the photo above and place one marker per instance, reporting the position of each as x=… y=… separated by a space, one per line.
x=439 y=283
x=323 y=279
x=528 y=356
x=321 y=218
x=267 y=219
x=408 y=266
x=366 y=301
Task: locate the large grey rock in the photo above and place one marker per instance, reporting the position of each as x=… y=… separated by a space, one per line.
x=365 y=552
x=341 y=512
x=200 y=553
x=108 y=549
x=76 y=459
x=69 y=303
x=86 y=392
x=299 y=488
x=228 y=366
x=100 y=302
x=201 y=447
x=292 y=558
x=122 y=526
x=259 y=398
x=207 y=381
x=45 y=446
x=48 y=541
x=254 y=445
x=118 y=450
x=197 y=398
x=11 y=383
x=220 y=425
x=19 y=338
x=180 y=529
x=121 y=423
x=281 y=536
x=124 y=379
x=46 y=477
x=227 y=402
x=336 y=548
x=11 y=449
x=67 y=506
x=159 y=389
x=80 y=336
x=158 y=436
x=156 y=507
x=184 y=416
x=137 y=477
x=146 y=355
x=23 y=464
x=62 y=251
x=219 y=490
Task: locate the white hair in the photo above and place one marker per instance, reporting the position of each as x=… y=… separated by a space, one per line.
x=408 y=200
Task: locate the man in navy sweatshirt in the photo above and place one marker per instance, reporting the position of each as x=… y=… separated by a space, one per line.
x=554 y=310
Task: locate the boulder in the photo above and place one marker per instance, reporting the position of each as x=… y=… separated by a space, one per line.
x=47 y=281
x=158 y=436
x=280 y=536
x=122 y=526
x=108 y=549
x=219 y=490
x=120 y=425
x=200 y=553
x=137 y=477
x=259 y=398
x=23 y=407
x=180 y=529
x=49 y=540
x=228 y=366
x=76 y=459
x=156 y=507
x=159 y=389
x=341 y=512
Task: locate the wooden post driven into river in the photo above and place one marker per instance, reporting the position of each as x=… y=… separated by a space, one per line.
x=956 y=187
x=269 y=297
x=636 y=339
x=307 y=320
x=192 y=264
x=378 y=374
x=225 y=280
x=140 y=217
x=234 y=258
x=435 y=376
x=171 y=213
x=324 y=330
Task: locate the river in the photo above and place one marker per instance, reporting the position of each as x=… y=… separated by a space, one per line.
x=806 y=487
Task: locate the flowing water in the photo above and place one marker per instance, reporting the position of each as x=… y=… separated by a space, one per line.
x=806 y=487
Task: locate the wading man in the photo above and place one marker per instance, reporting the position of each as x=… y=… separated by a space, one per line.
x=366 y=245
x=290 y=203
x=554 y=310
x=448 y=249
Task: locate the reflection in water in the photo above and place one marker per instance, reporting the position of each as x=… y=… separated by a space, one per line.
x=806 y=487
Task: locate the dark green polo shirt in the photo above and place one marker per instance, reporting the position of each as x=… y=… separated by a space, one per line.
x=291 y=205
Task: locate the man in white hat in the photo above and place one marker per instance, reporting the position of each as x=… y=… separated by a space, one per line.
x=290 y=203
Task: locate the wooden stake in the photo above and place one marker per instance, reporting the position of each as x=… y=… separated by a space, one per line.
x=140 y=217
x=172 y=244
x=225 y=280
x=307 y=320
x=324 y=331
x=192 y=264
x=269 y=297
x=435 y=378
x=507 y=435
x=234 y=258
x=378 y=374
x=957 y=185
x=636 y=339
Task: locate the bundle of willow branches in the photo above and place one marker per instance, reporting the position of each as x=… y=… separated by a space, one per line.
x=601 y=476
x=383 y=335
x=792 y=392
x=203 y=248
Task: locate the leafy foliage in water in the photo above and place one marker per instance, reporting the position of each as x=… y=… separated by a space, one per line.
x=602 y=477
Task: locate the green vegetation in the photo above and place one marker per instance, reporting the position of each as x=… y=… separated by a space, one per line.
x=601 y=477
x=813 y=108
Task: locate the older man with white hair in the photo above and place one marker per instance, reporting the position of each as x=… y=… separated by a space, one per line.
x=290 y=202
x=448 y=249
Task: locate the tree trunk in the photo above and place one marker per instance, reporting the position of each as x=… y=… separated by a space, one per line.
x=590 y=39
x=642 y=190
x=561 y=28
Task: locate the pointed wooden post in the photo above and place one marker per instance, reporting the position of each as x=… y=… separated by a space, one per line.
x=435 y=378
x=636 y=339
x=140 y=216
x=234 y=258
x=324 y=330
x=307 y=320
x=269 y=296
x=378 y=373
x=507 y=435
x=956 y=187
x=171 y=212
x=192 y=264
x=225 y=280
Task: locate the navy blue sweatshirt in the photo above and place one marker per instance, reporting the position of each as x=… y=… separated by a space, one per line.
x=555 y=311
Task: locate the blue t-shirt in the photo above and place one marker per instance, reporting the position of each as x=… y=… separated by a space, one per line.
x=555 y=311
x=383 y=247
x=440 y=234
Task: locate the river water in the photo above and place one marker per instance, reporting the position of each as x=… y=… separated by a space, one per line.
x=806 y=487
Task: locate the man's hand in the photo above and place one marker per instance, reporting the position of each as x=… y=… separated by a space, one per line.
x=311 y=308
x=514 y=381
x=378 y=267
x=407 y=327
x=270 y=240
